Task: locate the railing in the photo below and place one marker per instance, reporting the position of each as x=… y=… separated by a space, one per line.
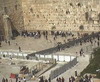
x=63 y=68
x=58 y=57
x=13 y=54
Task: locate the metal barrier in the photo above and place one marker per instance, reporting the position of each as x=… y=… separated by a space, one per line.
x=13 y=54
x=58 y=57
x=63 y=68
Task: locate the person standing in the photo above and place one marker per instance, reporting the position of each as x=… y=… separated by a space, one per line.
x=46 y=80
x=3 y=80
x=75 y=73
x=49 y=79
x=63 y=80
x=98 y=43
x=19 y=49
x=70 y=80
x=9 y=43
x=60 y=79
x=0 y=44
x=6 y=80
x=57 y=80
x=16 y=78
x=24 y=79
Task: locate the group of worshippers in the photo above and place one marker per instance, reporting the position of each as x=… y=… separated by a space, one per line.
x=86 y=78
x=4 y=80
x=24 y=70
x=38 y=34
x=72 y=79
x=14 y=78
x=21 y=80
x=42 y=79
x=60 y=79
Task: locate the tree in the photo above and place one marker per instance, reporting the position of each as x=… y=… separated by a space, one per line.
x=79 y=4
x=81 y=27
x=71 y=4
x=53 y=27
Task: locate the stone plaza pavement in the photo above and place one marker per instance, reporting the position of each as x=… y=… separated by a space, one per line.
x=83 y=61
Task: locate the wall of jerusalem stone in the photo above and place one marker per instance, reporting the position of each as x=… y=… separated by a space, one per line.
x=71 y=15
x=1 y=20
x=13 y=8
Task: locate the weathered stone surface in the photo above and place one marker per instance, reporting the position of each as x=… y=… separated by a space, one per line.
x=13 y=9
x=66 y=15
x=7 y=27
x=63 y=14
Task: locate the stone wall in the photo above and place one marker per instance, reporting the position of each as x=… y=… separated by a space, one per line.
x=61 y=14
x=1 y=20
x=69 y=15
x=13 y=8
x=14 y=11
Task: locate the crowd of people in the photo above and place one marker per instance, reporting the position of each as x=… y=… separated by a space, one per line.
x=46 y=34
x=55 y=34
x=60 y=79
x=72 y=79
x=24 y=70
x=4 y=80
x=86 y=78
x=43 y=79
x=16 y=79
